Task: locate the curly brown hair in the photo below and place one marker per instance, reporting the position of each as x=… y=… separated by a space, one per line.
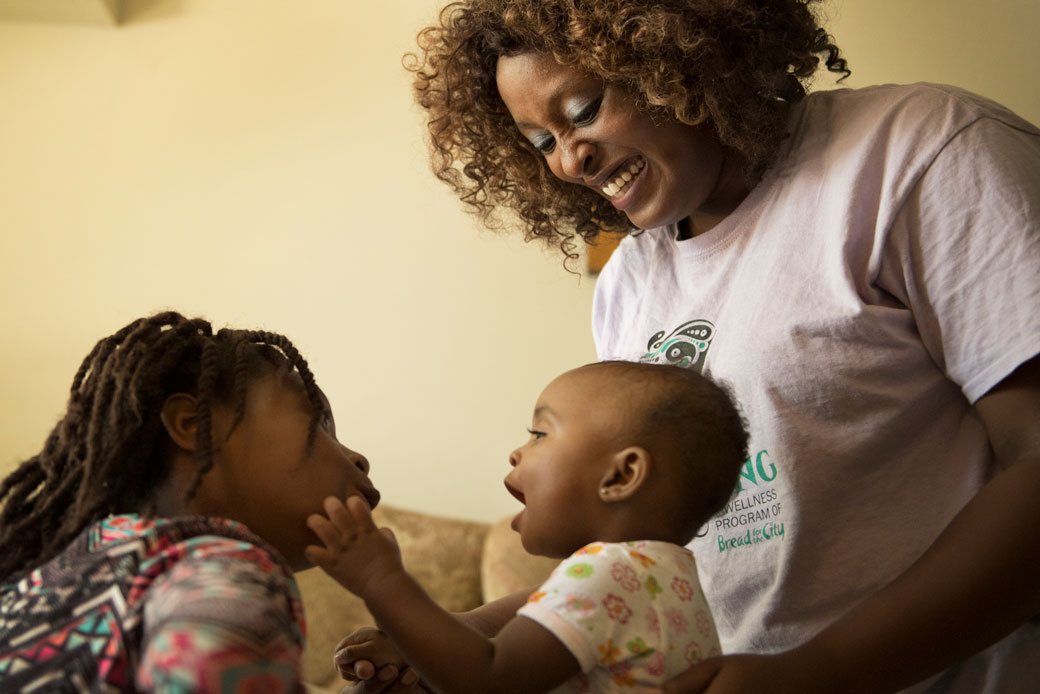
x=736 y=64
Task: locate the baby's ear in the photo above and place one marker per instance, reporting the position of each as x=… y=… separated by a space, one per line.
x=627 y=471
x=180 y=417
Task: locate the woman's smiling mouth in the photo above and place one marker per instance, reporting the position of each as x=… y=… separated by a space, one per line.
x=621 y=182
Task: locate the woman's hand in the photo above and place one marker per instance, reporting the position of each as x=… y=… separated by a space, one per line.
x=356 y=553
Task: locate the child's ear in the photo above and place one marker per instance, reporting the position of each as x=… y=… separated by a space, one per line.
x=627 y=471
x=180 y=417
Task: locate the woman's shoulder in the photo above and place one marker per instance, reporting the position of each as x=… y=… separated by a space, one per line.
x=946 y=107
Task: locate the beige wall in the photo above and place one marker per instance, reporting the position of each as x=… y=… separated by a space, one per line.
x=260 y=163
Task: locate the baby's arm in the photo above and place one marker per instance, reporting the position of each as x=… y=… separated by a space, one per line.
x=363 y=657
x=449 y=654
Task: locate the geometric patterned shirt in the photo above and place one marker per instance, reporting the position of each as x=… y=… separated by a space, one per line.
x=190 y=604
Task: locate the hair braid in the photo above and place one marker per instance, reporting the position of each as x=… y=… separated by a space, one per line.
x=107 y=453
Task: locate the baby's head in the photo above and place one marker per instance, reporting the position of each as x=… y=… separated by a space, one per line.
x=168 y=417
x=625 y=451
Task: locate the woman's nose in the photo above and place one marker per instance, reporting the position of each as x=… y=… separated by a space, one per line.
x=576 y=159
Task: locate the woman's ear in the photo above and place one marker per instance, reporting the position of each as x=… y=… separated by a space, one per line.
x=626 y=473
x=180 y=418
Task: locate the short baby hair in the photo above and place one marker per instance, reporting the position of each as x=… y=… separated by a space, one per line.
x=692 y=424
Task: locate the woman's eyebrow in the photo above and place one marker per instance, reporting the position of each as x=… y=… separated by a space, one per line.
x=552 y=104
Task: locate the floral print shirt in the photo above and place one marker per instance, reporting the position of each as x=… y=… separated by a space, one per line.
x=632 y=614
x=141 y=605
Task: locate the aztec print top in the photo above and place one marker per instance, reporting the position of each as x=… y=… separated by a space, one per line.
x=173 y=605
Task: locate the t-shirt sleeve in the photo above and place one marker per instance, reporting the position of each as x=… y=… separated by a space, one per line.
x=581 y=605
x=964 y=254
x=222 y=622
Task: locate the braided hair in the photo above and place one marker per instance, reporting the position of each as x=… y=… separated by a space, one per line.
x=108 y=453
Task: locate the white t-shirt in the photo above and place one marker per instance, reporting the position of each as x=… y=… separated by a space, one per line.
x=632 y=614
x=883 y=276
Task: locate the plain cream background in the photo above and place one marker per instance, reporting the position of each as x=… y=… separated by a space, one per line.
x=261 y=163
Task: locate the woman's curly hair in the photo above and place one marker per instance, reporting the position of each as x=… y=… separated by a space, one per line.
x=736 y=64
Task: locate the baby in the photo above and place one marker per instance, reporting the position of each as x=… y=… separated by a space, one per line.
x=626 y=461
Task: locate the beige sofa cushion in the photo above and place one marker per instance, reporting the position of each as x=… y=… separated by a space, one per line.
x=506 y=567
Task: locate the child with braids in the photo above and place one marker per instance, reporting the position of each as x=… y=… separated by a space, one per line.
x=150 y=545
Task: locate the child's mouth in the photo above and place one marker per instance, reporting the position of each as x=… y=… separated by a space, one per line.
x=517 y=494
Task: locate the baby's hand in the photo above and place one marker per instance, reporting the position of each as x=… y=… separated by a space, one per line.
x=356 y=553
x=368 y=659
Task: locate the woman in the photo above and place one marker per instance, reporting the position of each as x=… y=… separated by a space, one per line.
x=863 y=267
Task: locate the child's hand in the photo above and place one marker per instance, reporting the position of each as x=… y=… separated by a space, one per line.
x=356 y=553
x=368 y=659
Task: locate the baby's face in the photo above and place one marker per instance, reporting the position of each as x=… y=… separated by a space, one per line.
x=557 y=474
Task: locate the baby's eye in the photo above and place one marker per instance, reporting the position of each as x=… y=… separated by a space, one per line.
x=535 y=435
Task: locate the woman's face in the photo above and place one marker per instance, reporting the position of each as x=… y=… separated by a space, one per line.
x=592 y=134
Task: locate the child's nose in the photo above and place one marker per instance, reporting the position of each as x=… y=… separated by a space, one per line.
x=359 y=461
x=514 y=458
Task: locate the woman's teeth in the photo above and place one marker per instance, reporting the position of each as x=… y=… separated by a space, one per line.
x=620 y=183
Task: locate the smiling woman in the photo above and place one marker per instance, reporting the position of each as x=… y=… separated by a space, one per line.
x=831 y=256
x=594 y=134
x=478 y=150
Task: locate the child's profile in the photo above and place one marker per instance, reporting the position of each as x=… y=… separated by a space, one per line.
x=150 y=544
x=624 y=463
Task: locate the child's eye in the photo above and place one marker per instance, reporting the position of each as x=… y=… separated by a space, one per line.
x=536 y=434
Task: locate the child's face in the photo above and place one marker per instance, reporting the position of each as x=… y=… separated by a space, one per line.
x=264 y=476
x=558 y=472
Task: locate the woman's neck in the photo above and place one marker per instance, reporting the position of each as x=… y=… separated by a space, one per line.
x=730 y=191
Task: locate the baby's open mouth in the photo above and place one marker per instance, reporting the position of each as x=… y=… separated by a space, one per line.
x=620 y=183
x=515 y=492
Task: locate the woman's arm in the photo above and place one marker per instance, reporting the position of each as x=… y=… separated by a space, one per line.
x=973 y=586
x=449 y=654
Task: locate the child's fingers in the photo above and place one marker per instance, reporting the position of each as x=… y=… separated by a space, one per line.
x=389 y=534
x=357 y=636
x=328 y=533
x=380 y=652
x=360 y=514
x=318 y=556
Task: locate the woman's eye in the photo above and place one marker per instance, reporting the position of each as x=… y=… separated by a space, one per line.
x=588 y=113
x=545 y=145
